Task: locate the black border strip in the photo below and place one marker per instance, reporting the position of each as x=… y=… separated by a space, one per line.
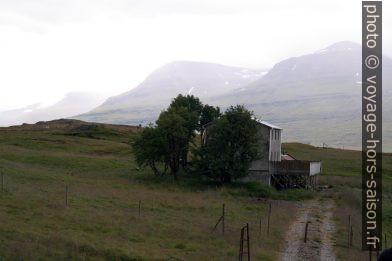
x=371 y=125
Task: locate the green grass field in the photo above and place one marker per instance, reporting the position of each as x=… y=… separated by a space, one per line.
x=102 y=221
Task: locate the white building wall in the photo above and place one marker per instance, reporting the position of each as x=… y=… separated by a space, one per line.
x=275 y=145
x=314 y=168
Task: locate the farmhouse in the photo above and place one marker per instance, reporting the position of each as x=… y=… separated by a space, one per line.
x=273 y=168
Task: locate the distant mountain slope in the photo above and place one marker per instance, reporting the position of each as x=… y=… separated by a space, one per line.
x=73 y=103
x=144 y=103
x=316 y=98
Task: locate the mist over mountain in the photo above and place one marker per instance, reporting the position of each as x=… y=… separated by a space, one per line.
x=72 y=103
x=315 y=98
x=144 y=103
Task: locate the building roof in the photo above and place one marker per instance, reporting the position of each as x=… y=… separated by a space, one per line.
x=287 y=157
x=269 y=125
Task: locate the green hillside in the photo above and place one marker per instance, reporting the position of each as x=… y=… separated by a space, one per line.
x=101 y=220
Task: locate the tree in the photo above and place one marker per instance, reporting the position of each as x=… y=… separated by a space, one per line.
x=167 y=143
x=208 y=114
x=230 y=147
x=174 y=134
x=148 y=148
x=190 y=102
x=163 y=143
x=189 y=108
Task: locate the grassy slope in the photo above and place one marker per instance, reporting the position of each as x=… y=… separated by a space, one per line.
x=342 y=170
x=102 y=220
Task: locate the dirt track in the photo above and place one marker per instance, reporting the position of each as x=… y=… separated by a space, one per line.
x=319 y=245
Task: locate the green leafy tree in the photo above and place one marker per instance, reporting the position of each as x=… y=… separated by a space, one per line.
x=167 y=143
x=190 y=102
x=189 y=108
x=172 y=129
x=208 y=114
x=148 y=148
x=230 y=147
x=162 y=144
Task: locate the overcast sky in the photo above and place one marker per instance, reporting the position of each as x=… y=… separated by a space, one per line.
x=52 y=47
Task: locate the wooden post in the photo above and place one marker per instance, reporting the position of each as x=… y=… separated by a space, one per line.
x=247 y=240
x=140 y=203
x=351 y=235
x=269 y=216
x=66 y=195
x=2 y=182
x=241 y=245
x=260 y=227
x=306 y=231
x=349 y=232
x=223 y=219
x=244 y=230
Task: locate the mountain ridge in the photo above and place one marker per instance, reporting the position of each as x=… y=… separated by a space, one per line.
x=69 y=105
x=316 y=98
x=163 y=84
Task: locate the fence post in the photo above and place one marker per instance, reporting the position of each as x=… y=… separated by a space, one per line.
x=349 y=232
x=247 y=240
x=269 y=216
x=241 y=245
x=260 y=227
x=244 y=230
x=140 y=203
x=306 y=231
x=223 y=219
x=2 y=182
x=351 y=236
x=66 y=195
